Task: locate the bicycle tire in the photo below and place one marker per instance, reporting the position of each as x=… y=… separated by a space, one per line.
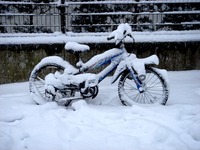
x=155 y=91
x=37 y=84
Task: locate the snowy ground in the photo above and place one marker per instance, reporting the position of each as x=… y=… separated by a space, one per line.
x=103 y=123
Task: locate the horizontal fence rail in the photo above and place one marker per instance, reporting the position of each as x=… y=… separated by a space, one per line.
x=48 y=16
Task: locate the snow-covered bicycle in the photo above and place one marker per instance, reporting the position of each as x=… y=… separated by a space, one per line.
x=54 y=79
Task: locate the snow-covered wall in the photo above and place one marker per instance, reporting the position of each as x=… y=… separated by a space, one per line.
x=17 y=60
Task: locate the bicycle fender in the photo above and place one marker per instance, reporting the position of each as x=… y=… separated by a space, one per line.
x=55 y=60
x=138 y=64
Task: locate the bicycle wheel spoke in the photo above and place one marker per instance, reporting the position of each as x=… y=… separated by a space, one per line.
x=150 y=95
x=150 y=87
x=130 y=92
x=151 y=84
x=155 y=93
x=149 y=98
x=129 y=84
x=136 y=99
x=155 y=90
x=130 y=88
x=40 y=79
x=142 y=98
x=150 y=78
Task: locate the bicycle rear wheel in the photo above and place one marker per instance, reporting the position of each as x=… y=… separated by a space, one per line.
x=37 y=83
x=155 y=89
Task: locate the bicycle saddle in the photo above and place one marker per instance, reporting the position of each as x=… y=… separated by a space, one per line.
x=75 y=47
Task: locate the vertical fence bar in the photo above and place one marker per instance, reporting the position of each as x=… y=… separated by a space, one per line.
x=62 y=16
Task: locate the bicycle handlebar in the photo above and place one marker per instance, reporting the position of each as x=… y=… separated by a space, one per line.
x=122 y=31
x=113 y=37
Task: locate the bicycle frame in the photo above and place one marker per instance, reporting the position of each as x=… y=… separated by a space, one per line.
x=114 y=61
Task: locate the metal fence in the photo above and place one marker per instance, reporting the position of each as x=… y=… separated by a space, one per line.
x=29 y=17
x=47 y=16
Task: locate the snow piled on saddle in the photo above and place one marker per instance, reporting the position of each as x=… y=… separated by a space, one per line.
x=76 y=47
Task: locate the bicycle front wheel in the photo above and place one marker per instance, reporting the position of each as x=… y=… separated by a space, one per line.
x=155 y=89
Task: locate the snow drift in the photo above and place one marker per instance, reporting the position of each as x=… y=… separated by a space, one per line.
x=102 y=123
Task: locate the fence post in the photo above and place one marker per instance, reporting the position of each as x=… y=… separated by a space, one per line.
x=62 y=16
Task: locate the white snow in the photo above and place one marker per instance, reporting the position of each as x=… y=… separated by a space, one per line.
x=123 y=30
x=57 y=37
x=59 y=79
x=57 y=60
x=76 y=47
x=103 y=123
x=128 y=2
x=139 y=63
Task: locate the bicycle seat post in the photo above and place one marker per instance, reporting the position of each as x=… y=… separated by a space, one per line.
x=79 y=61
x=76 y=48
x=77 y=57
